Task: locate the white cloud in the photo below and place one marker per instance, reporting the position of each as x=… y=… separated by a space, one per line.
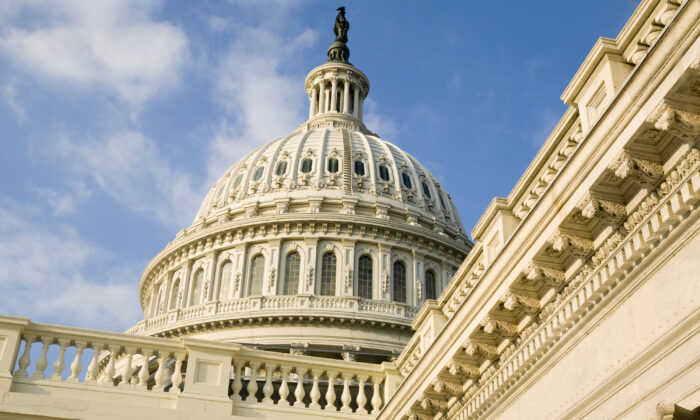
x=54 y=275
x=109 y=44
x=385 y=126
x=261 y=100
x=9 y=93
x=133 y=171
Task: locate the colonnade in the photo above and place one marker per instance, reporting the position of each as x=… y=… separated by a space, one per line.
x=334 y=94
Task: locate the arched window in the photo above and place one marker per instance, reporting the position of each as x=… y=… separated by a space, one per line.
x=426 y=190
x=332 y=165
x=383 y=173
x=258 y=173
x=196 y=291
x=291 y=274
x=257 y=270
x=173 y=294
x=237 y=181
x=225 y=280
x=406 y=180
x=364 y=277
x=430 y=289
x=399 y=282
x=359 y=168
x=306 y=165
x=159 y=300
x=442 y=202
x=328 y=270
x=281 y=168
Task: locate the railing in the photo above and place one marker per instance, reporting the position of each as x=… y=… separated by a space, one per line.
x=41 y=360
x=260 y=304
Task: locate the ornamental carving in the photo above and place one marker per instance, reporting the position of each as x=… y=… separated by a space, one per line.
x=681 y=123
x=641 y=170
x=273 y=278
x=605 y=210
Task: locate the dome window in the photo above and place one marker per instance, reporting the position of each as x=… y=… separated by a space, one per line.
x=281 y=168
x=442 y=202
x=359 y=168
x=258 y=173
x=364 y=277
x=257 y=269
x=306 y=165
x=383 y=173
x=332 y=165
x=291 y=274
x=426 y=190
x=328 y=270
x=406 y=180
x=430 y=289
x=237 y=181
x=399 y=282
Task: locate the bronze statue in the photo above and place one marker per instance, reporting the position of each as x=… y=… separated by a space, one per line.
x=341 y=26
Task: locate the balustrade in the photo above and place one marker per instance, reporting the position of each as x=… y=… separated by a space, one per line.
x=124 y=363
x=306 y=382
x=112 y=363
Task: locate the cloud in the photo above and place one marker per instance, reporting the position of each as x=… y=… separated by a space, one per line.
x=52 y=274
x=548 y=119
x=384 y=125
x=132 y=170
x=9 y=93
x=261 y=100
x=108 y=44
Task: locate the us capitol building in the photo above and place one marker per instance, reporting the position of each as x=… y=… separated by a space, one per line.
x=327 y=273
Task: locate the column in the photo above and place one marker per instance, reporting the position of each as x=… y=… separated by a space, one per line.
x=346 y=96
x=322 y=98
x=359 y=109
x=334 y=95
x=312 y=102
x=355 y=102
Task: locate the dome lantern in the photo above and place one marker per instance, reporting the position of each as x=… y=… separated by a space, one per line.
x=337 y=89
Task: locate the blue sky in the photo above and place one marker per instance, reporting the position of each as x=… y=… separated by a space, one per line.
x=118 y=116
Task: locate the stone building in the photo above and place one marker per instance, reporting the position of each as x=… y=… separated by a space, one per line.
x=327 y=273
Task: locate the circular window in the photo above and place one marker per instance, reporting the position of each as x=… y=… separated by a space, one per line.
x=406 y=180
x=258 y=173
x=383 y=173
x=306 y=165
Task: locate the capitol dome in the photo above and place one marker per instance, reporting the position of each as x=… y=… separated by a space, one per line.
x=325 y=241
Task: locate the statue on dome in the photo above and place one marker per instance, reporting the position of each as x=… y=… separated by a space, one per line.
x=341 y=26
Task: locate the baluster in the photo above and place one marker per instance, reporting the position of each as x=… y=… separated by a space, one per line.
x=110 y=370
x=143 y=372
x=284 y=386
x=376 y=398
x=127 y=370
x=60 y=362
x=176 y=379
x=330 y=393
x=41 y=362
x=345 y=398
x=315 y=393
x=361 y=398
x=77 y=366
x=237 y=384
x=268 y=389
x=253 y=383
x=299 y=392
x=160 y=373
x=93 y=367
x=25 y=360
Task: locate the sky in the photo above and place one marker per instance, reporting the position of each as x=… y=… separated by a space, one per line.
x=116 y=117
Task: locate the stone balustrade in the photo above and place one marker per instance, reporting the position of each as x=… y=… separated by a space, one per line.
x=158 y=375
x=264 y=306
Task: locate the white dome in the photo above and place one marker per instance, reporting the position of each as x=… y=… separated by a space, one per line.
x=328 y=239
x=340 y=169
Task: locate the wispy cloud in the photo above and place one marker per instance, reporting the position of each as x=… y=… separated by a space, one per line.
x=260 y=98
x=113 y=45
x=132 y=170
x=548 y=119
x=46 y=274
x=9 y=93
x=384 y=125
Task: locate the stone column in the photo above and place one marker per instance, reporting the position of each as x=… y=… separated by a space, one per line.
x=359 y=108
x=322 y=98
x=312 y=101
x=346 y=96
x=334 y=95
x=355 y=102
x=348 y=288
x=310 y=275
x=270 y=285
x=384 y=266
